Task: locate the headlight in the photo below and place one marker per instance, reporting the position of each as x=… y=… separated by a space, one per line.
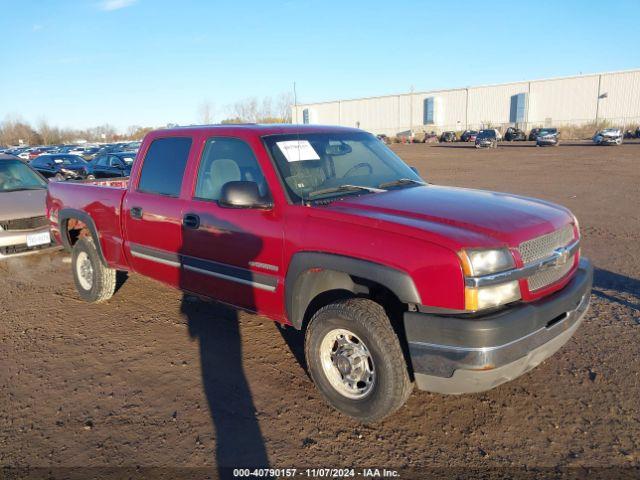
x=480 y=298
x=483 y=262
x=476 y=263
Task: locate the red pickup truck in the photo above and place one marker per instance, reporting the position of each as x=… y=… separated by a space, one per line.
x=393 y=280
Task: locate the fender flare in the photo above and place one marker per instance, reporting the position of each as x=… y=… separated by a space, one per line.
x=312 y=273
x=66 y=214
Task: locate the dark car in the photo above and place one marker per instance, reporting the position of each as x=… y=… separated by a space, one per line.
x=90 y=153
x=448 y=137
x=638 y=132
x=111 y=165
x=383 y=138
x=61 y=166
x=548 y=136
x=487 y=139
x=514 y=134
x=533 y=134
x=468 y=136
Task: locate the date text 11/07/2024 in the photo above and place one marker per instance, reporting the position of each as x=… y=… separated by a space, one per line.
x=316 y=472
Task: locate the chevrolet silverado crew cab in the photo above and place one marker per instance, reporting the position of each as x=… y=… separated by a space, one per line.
x=394 y=281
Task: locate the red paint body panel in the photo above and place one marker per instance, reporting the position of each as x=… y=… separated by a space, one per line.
x=416 y=230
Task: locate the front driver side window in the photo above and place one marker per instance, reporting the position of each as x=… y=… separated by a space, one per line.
x=226 y=160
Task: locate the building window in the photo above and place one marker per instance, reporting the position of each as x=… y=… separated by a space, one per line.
x=429 y=111
x=305 y=115
x=518 y=113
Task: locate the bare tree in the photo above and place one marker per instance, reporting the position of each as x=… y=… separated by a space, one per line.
x=252 y=110
x=206 y=112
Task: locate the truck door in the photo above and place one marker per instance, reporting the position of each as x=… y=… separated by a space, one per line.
x=153 y=210
x=232 y=254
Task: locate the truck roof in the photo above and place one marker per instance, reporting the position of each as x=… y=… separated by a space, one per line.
x=261 y=129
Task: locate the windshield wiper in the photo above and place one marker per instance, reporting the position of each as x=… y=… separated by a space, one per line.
x=399 y=182
x=345 y=188
x=20 y=189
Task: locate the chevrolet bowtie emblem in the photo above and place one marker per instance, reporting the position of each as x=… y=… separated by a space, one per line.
x=561 y=256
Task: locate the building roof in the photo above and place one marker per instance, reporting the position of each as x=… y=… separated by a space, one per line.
x=423 y=92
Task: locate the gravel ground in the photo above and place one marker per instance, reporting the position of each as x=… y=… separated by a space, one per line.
x=153 y=379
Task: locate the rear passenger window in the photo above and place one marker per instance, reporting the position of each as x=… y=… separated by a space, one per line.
x=164 y=165
x=227 y=160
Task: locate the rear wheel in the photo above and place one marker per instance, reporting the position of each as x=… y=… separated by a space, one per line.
x=94 y=281
x=356 y=361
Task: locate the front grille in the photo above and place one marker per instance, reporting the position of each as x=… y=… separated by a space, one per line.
x=24 y=223
x=547 y=277
x=543 y=247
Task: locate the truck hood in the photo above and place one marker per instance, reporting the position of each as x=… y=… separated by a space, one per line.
x=22 y=204
x=464 y=216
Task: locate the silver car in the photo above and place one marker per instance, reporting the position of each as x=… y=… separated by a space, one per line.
x=24 y=227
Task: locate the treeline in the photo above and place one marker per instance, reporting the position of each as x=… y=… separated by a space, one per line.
x=14 y=131
x=252 y=110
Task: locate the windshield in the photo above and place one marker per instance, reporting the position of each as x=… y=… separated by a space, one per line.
x=487 y=134
x=311 y=165
x=548 y=131
x=15 y=175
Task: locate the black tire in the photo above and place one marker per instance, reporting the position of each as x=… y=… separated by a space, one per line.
x=100 y=283
x=368 y=321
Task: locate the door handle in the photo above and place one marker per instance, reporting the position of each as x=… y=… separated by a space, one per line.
x=136 y=213
x=191 y=220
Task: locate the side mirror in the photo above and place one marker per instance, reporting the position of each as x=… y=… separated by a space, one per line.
x=415 y=170
x=242 y=194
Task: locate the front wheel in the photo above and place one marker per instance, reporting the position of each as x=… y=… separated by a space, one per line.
x=94 y=281
x=356 y=361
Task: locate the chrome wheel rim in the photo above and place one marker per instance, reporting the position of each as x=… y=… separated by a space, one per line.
x=347 y=363
x=84 y=271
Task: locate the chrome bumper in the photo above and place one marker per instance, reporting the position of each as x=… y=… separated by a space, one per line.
x=18 y=238
x=477 y=354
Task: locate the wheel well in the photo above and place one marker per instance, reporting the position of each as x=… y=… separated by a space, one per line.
x=75 y=230
x=371 y=290
x=364 y=289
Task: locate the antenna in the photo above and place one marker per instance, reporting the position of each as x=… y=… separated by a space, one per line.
x=295 y=100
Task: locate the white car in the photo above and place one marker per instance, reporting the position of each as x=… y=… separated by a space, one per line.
x=608 y=136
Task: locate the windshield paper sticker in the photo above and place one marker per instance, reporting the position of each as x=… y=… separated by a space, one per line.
x=297 y=150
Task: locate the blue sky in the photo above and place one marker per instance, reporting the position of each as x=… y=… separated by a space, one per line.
x=150 y=62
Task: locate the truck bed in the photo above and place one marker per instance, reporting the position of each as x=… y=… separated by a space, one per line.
x=99 y=199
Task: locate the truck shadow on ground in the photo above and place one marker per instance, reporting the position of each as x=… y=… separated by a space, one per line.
x=617 y=288
x=238 y=438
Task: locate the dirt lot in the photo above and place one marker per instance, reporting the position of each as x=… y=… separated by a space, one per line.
x=151 y=380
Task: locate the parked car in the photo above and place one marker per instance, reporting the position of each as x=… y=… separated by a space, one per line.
x=533 y=134
x=90 y=153
x=514 y=134
x=608 y=136
x=383 y=138
x=429 y=137
x=448 y=137
x=61 y=166
x=326 y=230
x=24 y=227
x=468 y=136
x=487 y=139
x=131 y=147
x=110 y=165
x=548 y=136
x=638 y=132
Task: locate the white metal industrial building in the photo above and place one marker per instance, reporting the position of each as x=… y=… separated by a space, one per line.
x=585 y=99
